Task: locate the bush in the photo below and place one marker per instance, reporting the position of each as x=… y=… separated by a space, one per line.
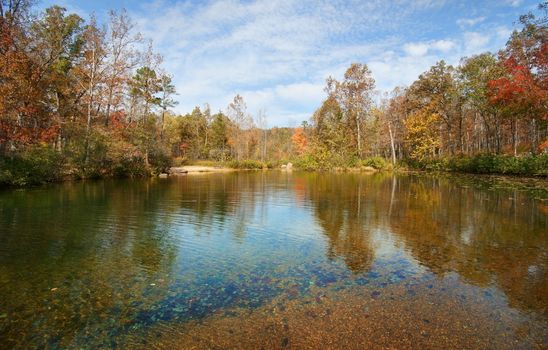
x=530 y=165
x=129 y=167
x=159 y=161
x=247 y=164
x=37 y=165
x=378 y=163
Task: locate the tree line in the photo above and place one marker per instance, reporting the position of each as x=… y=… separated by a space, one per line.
x=488 y=104
x=81 y=98
x=75 y=94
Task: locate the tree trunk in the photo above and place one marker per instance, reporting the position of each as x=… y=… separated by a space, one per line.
x=534 y=132
x=359 y=135
x=90 y=106
x=515 y=136
x=162 y=126
x=392 y=144
x=109 y=102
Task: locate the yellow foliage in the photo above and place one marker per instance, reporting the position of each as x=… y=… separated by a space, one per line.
x=422 y=133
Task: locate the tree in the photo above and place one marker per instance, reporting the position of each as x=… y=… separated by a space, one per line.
x=474 y=75
x=421 y=133
x=437 y=91
x=122 y=58
x=241 y=122
x=220 y=128
x=145 y=85
x=299 y=141
x=167 y=90
x=523 y=89
x=90 y=70
x=354 y=97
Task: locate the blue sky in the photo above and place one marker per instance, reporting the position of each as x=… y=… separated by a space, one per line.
x=277 y=54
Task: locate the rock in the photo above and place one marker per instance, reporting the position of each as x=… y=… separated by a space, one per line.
x=368 y=168
x=283 y=166
x=289 y=166
x=163 y=176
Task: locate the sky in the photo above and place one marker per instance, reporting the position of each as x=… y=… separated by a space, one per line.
x=278 y=54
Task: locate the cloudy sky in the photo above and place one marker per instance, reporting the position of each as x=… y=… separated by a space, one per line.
x=277 y=54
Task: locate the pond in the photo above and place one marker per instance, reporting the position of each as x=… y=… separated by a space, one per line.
x=274 y=260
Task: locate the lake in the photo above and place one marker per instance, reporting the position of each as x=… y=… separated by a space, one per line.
x=274 y=260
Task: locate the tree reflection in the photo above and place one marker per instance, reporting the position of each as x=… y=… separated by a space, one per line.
x=341 y=211
x=80 y=253
x=449 y=225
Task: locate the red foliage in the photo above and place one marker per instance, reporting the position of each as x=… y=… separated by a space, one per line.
x=24 y=118
x=519 y=91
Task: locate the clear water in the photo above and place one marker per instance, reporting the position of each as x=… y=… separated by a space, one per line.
x=101 y=264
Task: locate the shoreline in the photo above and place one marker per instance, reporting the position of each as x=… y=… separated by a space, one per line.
x=193 y=169
x=540 y=182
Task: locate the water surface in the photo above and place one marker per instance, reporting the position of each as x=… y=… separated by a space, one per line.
x=273 y=259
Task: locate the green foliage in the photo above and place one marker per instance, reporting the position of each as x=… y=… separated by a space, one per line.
x=248 y=164
x=378 y=163
x=34 y=166
x=322 y=158
x=160 y=161
x=316 y=159
x=488 y=164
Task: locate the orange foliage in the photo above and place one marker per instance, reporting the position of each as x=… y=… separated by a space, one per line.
x=299 y=140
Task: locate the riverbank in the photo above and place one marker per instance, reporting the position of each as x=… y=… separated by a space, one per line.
x=42 y=170
x=529 y=165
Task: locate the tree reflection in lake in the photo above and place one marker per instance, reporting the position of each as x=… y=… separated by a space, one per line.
x=83 y=263
x=488 y=237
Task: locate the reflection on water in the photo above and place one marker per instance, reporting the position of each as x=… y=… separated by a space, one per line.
x=95 y=263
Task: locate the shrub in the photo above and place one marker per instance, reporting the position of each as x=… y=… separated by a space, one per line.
x=530 y=165
x=246 y=164
x=378 y=163
x=37 y=165
x=159 y=161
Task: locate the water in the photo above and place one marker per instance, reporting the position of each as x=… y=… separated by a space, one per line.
x=273 y=259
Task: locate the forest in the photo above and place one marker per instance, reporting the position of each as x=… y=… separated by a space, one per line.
x=83 y=99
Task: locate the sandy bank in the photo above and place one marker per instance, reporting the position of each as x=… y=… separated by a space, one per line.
x=188 y=169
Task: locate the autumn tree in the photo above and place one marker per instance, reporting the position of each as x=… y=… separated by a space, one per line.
x=422 y=136
x=483 y=131
x=329 y=128
x=122 y=58
x=299 y=140
x=353 y=95
x=241 y=123
x=522 y=91
x=436 y=90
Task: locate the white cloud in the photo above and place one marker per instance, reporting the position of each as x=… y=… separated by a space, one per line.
x=475 y=41
x=277 y=54
x=514 y=3
x=443 y=45
x=422 y=48
x=416 y=49
x=469 y=22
